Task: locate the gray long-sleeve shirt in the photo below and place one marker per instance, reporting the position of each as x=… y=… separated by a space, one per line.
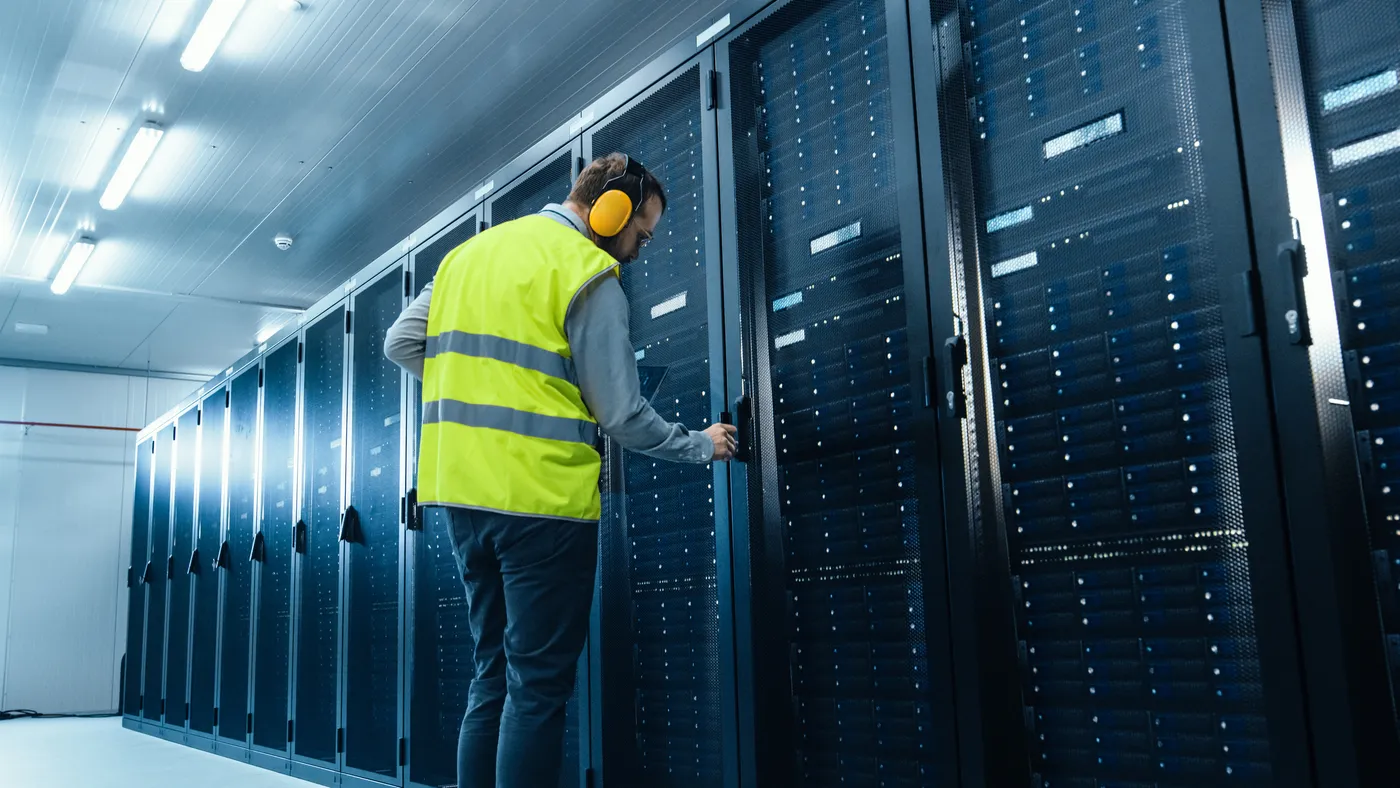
x=604 y=361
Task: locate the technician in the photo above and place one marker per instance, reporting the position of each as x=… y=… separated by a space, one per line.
x=523 y=348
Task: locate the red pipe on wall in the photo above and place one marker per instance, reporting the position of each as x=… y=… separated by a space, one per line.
x=68 y=426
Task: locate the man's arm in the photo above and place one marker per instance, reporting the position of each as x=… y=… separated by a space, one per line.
x=606 y=366
x=407 y=340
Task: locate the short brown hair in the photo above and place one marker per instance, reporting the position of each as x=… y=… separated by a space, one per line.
x=595 y=176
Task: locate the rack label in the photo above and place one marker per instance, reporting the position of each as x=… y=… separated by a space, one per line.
x=668 y=306
x=712 y=31
x=1010 y=219
x=1084 y=135
x=1028 y=260
x=800 y=335
x=1360 y=90
x=1358 y=152
x=824 y=242
x=787 y=301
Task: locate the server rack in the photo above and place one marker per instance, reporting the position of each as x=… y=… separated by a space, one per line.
x=137 y=574
x=181 y=568
x=235 y=559
x=833 y=531
x=212 y=420
x=1323 y=214
x=663 y=677
x=153 y=699
x=542 y=184
x=272 y=551
x=315 y=727
x=372 y=545
x=439 y=650
x=1131 y=459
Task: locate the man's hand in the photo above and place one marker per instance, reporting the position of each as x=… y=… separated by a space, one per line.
x=723 y=436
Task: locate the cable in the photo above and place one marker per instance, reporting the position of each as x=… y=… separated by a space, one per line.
x=30 y=714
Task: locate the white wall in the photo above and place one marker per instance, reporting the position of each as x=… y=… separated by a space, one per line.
x=65 y=526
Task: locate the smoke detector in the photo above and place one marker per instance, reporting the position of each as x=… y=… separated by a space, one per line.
x=283 y=242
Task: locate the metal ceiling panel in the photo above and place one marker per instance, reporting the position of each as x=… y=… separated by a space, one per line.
x=347 y=125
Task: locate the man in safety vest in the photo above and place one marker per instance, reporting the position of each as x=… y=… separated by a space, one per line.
x=523 y=347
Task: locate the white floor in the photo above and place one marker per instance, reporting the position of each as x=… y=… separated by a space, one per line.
x=87 y=752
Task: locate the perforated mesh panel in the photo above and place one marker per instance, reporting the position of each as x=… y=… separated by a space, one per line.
x=658 y=541
x=1351 y=77
x=204 y=654
x=273 y=654
x=372 y=662
x=820 y=255
x=177 y=639
x=136 y=594
x=238 y=583
x=153 y=692
x=1114 y=437
x=442 y=666
x=550 y=184
x=318 y=652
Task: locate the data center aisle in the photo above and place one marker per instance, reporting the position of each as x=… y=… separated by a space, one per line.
x=79 y=752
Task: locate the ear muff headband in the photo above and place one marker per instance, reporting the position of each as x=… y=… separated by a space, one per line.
x=614 y=208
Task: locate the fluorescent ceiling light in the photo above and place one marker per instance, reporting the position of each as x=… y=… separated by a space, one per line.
x=268 y=333
x=78 y=256
x=142 y=146
x=31 y=328
x=210 y=33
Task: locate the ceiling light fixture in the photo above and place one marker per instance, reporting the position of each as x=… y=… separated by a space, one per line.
x=78 y=255
x=210 y=33
x=137 y=155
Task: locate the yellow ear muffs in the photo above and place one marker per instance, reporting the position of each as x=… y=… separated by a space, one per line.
x=610 y=213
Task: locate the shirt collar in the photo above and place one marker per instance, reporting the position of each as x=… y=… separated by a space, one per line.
x=564 y=216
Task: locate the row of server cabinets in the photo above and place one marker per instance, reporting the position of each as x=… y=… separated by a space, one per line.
x=1062 y=341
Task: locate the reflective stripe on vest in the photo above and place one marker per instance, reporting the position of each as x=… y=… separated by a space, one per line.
x=505 y=427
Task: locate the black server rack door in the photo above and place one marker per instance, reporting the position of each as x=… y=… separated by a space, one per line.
x=1351 y=78
x=441 y=667
x=136 y=585
x=177 y=643
x=659 y=603
x=835 y=516
x=372 y=612
x=272 y=660
x=157 y=581
x=1115 y=432
x=238 y=588
x=315 y=709
x=547 y=185
x=205 y=651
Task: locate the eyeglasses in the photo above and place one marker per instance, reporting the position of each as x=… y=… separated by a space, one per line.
x=643 y=238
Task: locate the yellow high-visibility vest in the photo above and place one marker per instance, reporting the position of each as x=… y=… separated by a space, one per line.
x=505 y=428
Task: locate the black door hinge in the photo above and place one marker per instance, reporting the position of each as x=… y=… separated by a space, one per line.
x=260 y=377
x=403 y=510
x=259 y=551
x=228 y=399
x=340 y=740
x=170 y=568
x=216 y=717
x=301 y=352
x=199 y=417
x=413 y=517
x=1248 y=298
x=407 y=283
x=291 y=731
x=581 y=165
x=222 y=560
x=712 y=94
x=193 y=568
x=350 y=525
x=481 y=225
x=250 y=724
x=403 y=752
x=174 y=432
x=130 y=576
x=955 y=359
x=348 y=316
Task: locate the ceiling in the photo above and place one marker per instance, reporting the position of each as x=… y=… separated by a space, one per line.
x=346 y=124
